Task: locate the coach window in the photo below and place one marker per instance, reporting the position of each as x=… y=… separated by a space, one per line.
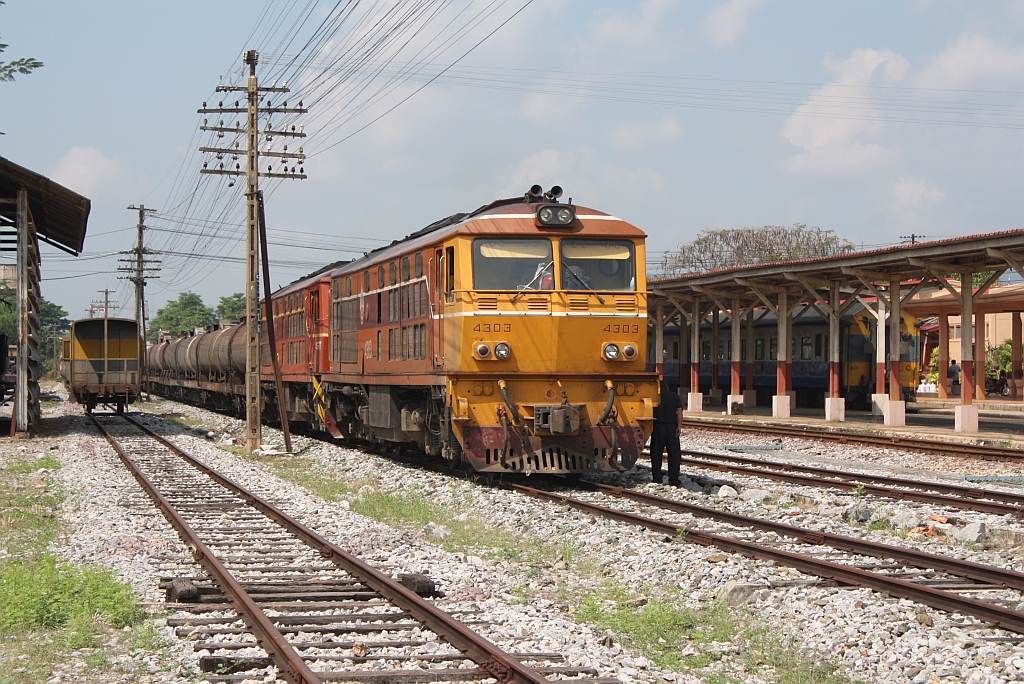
x=598 y=265
x=512 y=264
x=366 y=280
x=348 y=286
x=393 y=273
x=405 y=268
x=773 y=349
x=806 y=348
x=419 y=264
x=380 y=276
x=759 y=350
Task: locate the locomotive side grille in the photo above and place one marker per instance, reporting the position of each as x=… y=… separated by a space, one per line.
x=625 y=303
x=578 y=303
x=487 y=303
x=537 y=304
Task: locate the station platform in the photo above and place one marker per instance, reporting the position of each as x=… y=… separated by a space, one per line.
x=1000 y=423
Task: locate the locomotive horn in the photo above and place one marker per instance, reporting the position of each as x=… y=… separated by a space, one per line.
x=535 y=192
x=554 y=193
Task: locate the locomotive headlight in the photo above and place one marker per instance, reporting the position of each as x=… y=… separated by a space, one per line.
x=556 y=215
x=611 y=351
x=483 y=351
x=629 y=352
x=502 y=351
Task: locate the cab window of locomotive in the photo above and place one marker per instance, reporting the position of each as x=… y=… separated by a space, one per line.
x=419 y=264
x=598 y=265
x=405 y=268
x=512 y=264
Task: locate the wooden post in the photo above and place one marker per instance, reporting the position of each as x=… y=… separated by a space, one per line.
x=833 y=341
x=714 y=349
x=750 y=349
x=880 y=348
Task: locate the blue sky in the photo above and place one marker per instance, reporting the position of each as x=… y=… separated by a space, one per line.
x=872 y=119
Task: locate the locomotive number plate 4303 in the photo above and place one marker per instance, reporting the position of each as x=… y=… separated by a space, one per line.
x=621 y=328
x=493 y=327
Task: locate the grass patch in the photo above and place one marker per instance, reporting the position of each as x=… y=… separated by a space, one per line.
x=50 y=610
x=181 y=421
x=413 y=508
x=690 y=640
x=41 y=592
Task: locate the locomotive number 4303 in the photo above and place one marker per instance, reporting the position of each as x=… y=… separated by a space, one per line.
x=621 y=328
x=493 y=327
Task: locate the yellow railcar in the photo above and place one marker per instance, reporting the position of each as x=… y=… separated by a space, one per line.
x=100 y=362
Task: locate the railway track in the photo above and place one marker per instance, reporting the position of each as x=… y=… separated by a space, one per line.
x=860 y=563
x=937 y=493
x=845 y=437
x=275 y=595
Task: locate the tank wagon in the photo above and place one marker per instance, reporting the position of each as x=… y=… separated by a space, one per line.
x=510 y=338
x=100 y=362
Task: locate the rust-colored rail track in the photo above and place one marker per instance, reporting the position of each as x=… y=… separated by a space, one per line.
x=978 y=577
x=923 y=491
x=278 y=595
x=979 y=451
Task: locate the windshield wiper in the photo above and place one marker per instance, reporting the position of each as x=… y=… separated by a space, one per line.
x=580 y=281
x=539 y=274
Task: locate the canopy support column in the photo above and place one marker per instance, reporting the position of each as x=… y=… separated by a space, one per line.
x=835 y=405
x=734 y=402
x=980 y=355
x=895 y=412
x=716 y=395
x=1016 y=376
x=943 y=365
x=966 y=418
x=781 y=407
x=695 y=400
x=749 y=393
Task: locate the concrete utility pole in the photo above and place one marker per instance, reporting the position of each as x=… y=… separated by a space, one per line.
x=140 y=268
x=253 y=110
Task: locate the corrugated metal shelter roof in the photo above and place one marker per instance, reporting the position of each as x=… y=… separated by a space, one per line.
x=60 y=215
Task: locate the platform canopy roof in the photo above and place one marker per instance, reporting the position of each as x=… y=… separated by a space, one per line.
x=922 y=261
x=1006 y=299
x=60 y=215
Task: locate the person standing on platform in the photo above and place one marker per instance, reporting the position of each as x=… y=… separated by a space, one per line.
x=667 y=417
x=953 y=373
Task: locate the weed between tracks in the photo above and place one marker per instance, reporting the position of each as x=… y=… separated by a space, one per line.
x=54 y=613
x=715 y=643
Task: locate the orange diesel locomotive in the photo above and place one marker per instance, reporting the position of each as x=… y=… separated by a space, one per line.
x=510 y=338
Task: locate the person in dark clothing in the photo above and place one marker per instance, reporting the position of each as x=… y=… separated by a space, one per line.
x=666 y=435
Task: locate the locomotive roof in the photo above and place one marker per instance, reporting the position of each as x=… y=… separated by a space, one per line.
x=512 y=216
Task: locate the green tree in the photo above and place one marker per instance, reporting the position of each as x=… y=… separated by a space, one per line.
x=183 y=314
x=231 y=307
x=53 y=323
x=25 y=65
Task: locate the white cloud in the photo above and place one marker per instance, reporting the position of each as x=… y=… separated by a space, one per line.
x=634 y=34
x=909 y=193
x=728 y=21
x=634 y=136
x=844 y=146
x=972 y=61
x=547 y=167
x=88 y=172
